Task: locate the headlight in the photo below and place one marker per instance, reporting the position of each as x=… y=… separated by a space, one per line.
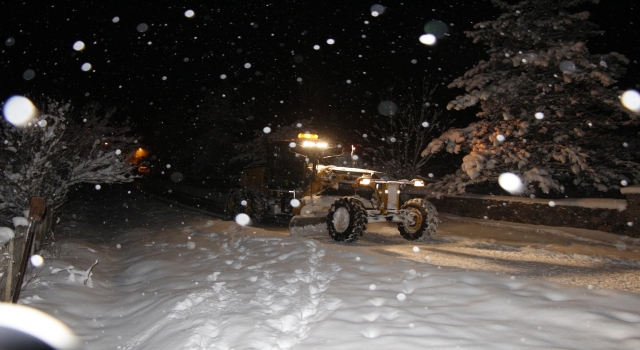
x=365 y=181
x=314 y=144
x=418 y=183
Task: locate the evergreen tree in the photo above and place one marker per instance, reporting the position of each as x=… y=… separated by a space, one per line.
x=550 y=110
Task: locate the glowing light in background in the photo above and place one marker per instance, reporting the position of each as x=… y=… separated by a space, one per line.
x=29 y=74
x=631 y=100
x=10 y=41
x=78 y=45
x=539 y=115
x=86 y=67
x=115 y=19
x=500 y=138
x=331 y=41
x=19 y=110
x=294 y=203
x=98 y=187
x=428 y=39
x=437 y=28
x=223 y=76
x=189 y=13
x=243 y=219
x=316 y=47
x=511 y=183
x=177 y=177
x=377 y=10
x=266 y=130
x=36 y=260
x=387 y=108
x=567 y=67
x=38 y=325
x=142 y=27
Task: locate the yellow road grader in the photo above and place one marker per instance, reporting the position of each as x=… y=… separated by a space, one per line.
x=294 y=185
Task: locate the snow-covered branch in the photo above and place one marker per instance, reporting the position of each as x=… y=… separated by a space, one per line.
x=59 y=149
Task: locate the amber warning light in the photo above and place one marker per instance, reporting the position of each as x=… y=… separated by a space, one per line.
x=308 y=136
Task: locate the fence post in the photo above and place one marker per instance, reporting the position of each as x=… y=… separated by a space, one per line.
x=36 y=211
x=9 y=281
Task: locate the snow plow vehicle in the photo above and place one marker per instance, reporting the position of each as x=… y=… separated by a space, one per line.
x=331 y=199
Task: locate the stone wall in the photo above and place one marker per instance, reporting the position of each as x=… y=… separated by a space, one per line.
x=610 y=215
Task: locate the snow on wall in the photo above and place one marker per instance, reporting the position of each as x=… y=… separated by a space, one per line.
x=634 y=189
x=591 y=203
x=603 y=214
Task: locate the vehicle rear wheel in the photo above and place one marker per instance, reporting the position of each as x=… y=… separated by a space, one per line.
x=346 y=220
x=250 y=202
x=257 y=206
x=423 y=220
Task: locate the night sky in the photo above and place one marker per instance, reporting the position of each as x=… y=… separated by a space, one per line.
x=264 y=50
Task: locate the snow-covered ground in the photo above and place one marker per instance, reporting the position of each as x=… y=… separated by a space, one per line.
x=169 y=278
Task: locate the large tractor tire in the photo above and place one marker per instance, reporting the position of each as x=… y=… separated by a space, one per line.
x=250 y=202
x=346 y=220
x=258 y=206
x=424 y=220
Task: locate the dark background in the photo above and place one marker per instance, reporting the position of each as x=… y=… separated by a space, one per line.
x=277 y=38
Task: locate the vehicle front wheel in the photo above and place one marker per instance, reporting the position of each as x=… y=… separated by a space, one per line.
x=422 y=220
x=346 y=220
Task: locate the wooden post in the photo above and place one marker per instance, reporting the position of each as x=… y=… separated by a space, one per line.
x=36 y=211
x=9 y=281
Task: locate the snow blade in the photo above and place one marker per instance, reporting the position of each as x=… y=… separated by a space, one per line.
x=308 y=226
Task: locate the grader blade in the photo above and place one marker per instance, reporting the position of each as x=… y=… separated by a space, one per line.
x=308 y=226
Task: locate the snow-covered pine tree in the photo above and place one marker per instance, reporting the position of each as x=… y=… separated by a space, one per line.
x=393 y=142
x=550 y=110
x=57 y=150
